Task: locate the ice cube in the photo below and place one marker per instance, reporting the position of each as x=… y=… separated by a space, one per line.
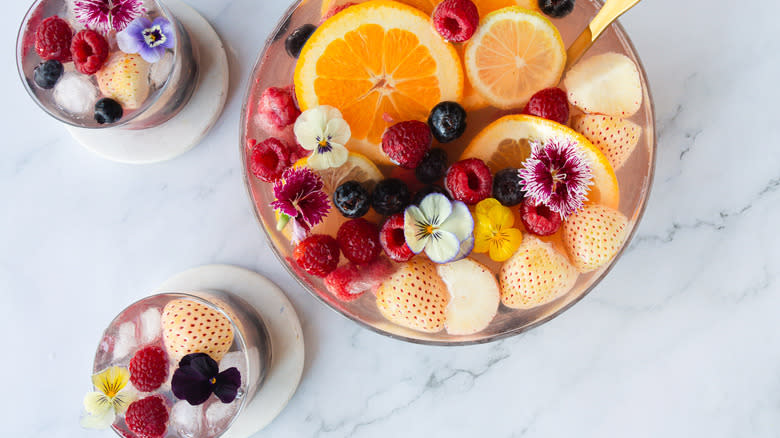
x=151 y=326
x=161 y=69
x=75 y=93
x=125 y=340
x=186 y=420
x=219 y=415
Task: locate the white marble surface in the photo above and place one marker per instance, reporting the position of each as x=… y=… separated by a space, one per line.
x=681 y=340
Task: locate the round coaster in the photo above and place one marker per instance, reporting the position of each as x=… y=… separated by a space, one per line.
x=284 y=329
x=187 y=128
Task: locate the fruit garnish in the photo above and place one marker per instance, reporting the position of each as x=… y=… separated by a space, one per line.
x=539 y=219
x=317 y=254
x=474 y=296
x=447 y=121
x=148 y=417
x=377 y=61
x=89 y=50
x=605 y=84
x=438 y=227
x=276 y=109
x=297 y=39
x=536 y=275
x=469 y=181
x=390 y=196
x=192 y=327
x=406 y=143
x=298 y=196
x=110 y=399
x=392 y=239
x=423 y=5
x=414 y=297
x=268 y=160
x=148 y=368
x=350 y=281
x=550 y=104
x=433 y=166
x=198 y=376
x=107 y=15
x=125 y=78
x=594 y=236
x=108 y=111
x=323 y=131
x=514 y=53
x=556 y=8
x=52 y=39
x=352 y=199
x=493 y=232
x=557 y=175
x=48 y=73
x=359 y=241
x=456 y=20
x=507 y=187
x=615 y=137
x=506 y=143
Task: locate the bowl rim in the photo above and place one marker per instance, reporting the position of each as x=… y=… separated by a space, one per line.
x=639 y=212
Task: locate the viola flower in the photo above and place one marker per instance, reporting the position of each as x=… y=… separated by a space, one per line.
x=148 y=38
x=299 y=196
x=493 y=232
x=198 y=377
x=440 y=227
x=323 y=131
x=110 y=399
x=557 y=174
x=105 y=16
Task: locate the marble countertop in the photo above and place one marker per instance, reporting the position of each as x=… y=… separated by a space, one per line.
x=681 y=340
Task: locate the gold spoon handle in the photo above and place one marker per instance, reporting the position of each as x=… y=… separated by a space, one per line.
x=610 y=12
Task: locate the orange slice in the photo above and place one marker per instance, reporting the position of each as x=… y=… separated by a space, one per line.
x=514 y=53
x=505 y=143
x=377 y=62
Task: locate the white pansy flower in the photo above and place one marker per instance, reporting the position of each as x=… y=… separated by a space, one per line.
x=323 y=131
x=110 y=399
x=441 y=228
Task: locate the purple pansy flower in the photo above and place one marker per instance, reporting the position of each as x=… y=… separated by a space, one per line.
x=148 y=38
x=198 y=377
x=107 y=15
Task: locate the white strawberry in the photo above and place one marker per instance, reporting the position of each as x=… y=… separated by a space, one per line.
x=594 y=235
x=536 y=275
x=474 y=296
x=125 y=78
x=605 y=84
x=414 y=297
x=616 y=137
x=192 y=327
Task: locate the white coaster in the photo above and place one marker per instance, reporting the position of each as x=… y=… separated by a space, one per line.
x=187 y=128
x=284 y=329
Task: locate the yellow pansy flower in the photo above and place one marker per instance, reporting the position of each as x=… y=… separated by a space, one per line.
x=493 y=232
x=110 y=399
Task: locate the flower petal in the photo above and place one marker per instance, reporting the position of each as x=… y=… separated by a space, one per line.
x=459 y=222
x=504 y=247
x=96 y=403
x=123 y=400
x=129 y=42
x=151 y=54
x=191 y=381
x=103 y=420
x=309 y=126
x=465 y=249
x=437 y=208
x=484 y=206
x=442 y=246
x=483 y=235
x=111 y=380
x=339 y=155
x=318 y=161
x=338 y=131
x=414 y=223
x=501 y=217
x=227 y=384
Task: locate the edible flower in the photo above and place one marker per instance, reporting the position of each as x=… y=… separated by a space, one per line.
x=107 y=15
x=440 y=227
x=299 y=196
x=110 y=399
x=148 y=38
x=493 y=232
x=323 y=131
x=557 y=174
x=198 y=377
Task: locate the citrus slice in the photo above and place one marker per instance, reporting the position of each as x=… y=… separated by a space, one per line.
x=483 y=6
x=514 y=53
x=378 y=62
x=423 y=5
x=506 y=143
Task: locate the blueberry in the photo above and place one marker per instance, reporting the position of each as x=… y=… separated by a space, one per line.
x=432 y=167
x=107 y=111
x=556 y=8
x=294 y=43
x=352 y=199
x=427 y=190
x=48 y=73
x=447 y=121
x=390 y=196
x=506 y=187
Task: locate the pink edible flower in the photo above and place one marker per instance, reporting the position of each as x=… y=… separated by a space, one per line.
x=299 y=196
x=107 y=15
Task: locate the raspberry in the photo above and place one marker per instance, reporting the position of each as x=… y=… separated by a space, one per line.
x=469 y=181
x=318 y=254
x=359 y=241
x=456 y=20
x=268 y=159
x=550 y=104
x=406 y=143
x=147 y=417
x=539 y=219
x=89 y=50
x=149 y=368
x=350 y=281
x=276 y=109
x=392 y=239
x=335 y=10
x=52 y=39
